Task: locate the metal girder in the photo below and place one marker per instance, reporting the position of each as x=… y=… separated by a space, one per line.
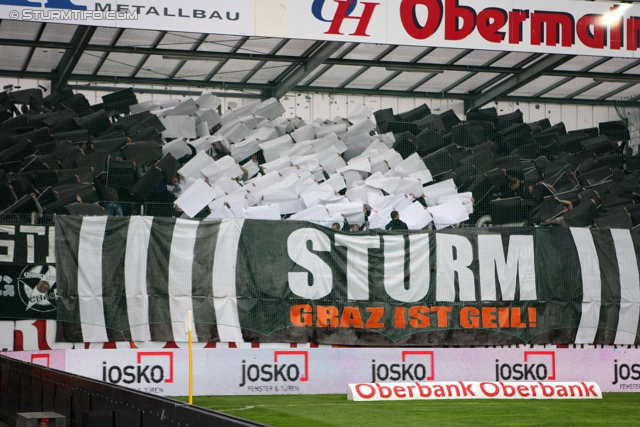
x=432 y=75
x=145 y=58
x=397 y=73
x=33 y=49
x=171 y=92
x=468 y=76
x=311 y=63
x=615 y=91
x=71 y=57
x=518 y=80
x=326 y=68
x=261 y=64
x=361 y=71
x=260 y=88
x=195 y=47
x=207 y=55
x=618 y=73
x=529 y=59
x=218 y=67
x=568 y=79
x=106 y=54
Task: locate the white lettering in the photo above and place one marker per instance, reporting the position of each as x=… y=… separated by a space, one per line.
x=320 y=271
x=450 y=263
x=358 y=263
x=520 y=263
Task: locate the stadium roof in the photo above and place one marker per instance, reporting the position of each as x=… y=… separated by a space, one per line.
x=262 y=67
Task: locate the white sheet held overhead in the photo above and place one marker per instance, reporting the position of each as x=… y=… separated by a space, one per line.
x=273 y=149
x=270 y=108
x=196 y=197
x=415 y=216
x=208 y=101
x=432 y=193
x=177 y=147
x=179 y=127
x=450 y=213
x=262 y=212
x=193 y=168
x=352 y=211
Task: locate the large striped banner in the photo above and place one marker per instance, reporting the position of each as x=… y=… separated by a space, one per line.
x=134 y=279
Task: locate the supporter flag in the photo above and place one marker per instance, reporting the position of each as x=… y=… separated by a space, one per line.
x=133 y=279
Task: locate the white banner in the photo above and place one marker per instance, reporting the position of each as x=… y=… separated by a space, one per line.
x=212 y=16
x=237 y=371
x=545 y=26
x=473 y=390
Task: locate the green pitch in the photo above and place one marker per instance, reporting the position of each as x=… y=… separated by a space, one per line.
x=615 y=409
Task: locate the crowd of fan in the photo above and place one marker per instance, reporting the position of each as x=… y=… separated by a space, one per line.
x=413 y=170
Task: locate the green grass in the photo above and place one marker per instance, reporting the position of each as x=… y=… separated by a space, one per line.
x=615 y=409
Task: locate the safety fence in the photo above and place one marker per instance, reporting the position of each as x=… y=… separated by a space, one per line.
x=85 y=402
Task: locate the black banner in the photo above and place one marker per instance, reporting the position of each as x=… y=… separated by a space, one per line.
x=28 y=287
x=288 y=281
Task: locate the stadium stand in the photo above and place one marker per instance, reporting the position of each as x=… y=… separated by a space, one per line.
x=185 y=157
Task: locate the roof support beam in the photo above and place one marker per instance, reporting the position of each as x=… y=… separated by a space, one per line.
x=218 y=67
x=362 y=70
x=115 y=40
x=145 y=58
x=326 y=68
x=70 y=59
x=616 y=91
x=33 y=49
x=258 y=88
x=568 y=79
x=468 y=76
x=518 y=80
x=432 y=75
x=195 y=47
x=171 y=92
x=303 y=70
x=397 y=73
x=261 y=64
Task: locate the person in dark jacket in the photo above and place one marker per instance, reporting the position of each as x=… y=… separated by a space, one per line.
x=396 y=223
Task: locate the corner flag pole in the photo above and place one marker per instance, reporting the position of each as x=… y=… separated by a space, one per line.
x=188 y=329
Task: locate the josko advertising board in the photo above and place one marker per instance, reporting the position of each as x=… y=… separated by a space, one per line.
x=329 y=371
x=212 y=16
x=571 y=27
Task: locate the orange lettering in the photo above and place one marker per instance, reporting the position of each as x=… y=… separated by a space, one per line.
x=418 y=318
x=489 y=317
x=302 y=315
x=516 y=318
x=376 y=315
x=351 y=317
x=503 y=317
x=443 y=318
x=327 y=316
x=469 y=317
x=399 y=318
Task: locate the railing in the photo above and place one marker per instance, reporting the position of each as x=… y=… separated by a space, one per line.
x=84 y=402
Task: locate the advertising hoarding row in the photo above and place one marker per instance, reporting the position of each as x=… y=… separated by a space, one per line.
x=329 y=371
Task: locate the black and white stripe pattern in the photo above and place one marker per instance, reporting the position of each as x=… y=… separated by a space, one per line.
x=137 y=277
x=134 y=279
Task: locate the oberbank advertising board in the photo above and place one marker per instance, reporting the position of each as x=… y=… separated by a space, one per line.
x=329 y=371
